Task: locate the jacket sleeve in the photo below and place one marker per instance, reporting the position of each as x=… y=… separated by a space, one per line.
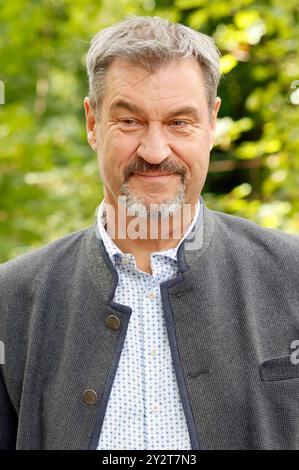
x=8 y=419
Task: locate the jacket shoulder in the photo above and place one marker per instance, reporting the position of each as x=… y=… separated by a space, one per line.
x=28 y=266
x=244 y=234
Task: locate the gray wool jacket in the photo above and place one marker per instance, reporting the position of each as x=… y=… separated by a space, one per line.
x=232 y=314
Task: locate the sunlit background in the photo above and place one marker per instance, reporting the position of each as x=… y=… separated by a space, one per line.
x=49 y=179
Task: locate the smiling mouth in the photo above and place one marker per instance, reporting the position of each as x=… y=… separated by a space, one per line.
x=154 y=176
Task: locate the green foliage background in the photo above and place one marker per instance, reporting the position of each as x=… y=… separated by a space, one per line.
x=49 y=179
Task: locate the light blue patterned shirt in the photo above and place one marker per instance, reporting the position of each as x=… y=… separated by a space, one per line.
x=144 y=410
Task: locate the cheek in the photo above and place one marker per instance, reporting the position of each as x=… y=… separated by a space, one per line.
x=117 y=151
x=119 y=143
x=194 y=154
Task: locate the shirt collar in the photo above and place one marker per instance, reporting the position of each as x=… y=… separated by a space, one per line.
x=113 y=250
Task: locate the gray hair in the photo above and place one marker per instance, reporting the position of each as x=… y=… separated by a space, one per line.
x=150 y=42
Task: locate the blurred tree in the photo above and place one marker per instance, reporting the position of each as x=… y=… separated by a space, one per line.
x=257 y=140
x=49 y=179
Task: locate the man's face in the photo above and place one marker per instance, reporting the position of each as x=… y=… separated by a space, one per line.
x=150 y=125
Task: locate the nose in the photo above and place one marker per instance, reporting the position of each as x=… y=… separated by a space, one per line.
x=153 y=146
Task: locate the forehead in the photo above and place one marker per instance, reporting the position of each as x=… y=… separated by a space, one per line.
x=180 y=82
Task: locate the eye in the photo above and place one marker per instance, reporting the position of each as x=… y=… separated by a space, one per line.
x=179 y=123
x=129 y=122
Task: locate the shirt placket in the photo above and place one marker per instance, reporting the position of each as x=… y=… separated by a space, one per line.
x=152 y=324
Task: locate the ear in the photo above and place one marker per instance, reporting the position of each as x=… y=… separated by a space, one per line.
x=90 y=124
x=214 y=119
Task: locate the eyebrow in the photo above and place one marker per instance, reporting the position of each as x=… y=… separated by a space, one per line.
x=123 y=104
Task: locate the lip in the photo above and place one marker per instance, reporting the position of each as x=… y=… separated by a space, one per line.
x=154 y=176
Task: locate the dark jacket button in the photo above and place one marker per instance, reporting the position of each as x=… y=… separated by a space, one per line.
x=112 y=322
x=90 y=397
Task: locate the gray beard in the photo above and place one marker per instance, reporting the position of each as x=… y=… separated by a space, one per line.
x=136 y=207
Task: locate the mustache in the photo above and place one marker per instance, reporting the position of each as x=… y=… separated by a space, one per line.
x=142 y=166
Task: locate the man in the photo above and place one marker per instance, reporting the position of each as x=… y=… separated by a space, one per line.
x=152 y=329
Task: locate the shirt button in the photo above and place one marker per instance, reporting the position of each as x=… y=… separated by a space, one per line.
x=125 y=259
x=155 y=407
x=112 y=322
x=151 y=295
x=90 y=397
x=154 y=350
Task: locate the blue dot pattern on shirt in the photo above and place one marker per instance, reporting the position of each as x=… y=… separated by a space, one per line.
x=144 y=410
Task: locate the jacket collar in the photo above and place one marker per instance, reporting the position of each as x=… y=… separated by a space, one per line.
x=189 y=251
